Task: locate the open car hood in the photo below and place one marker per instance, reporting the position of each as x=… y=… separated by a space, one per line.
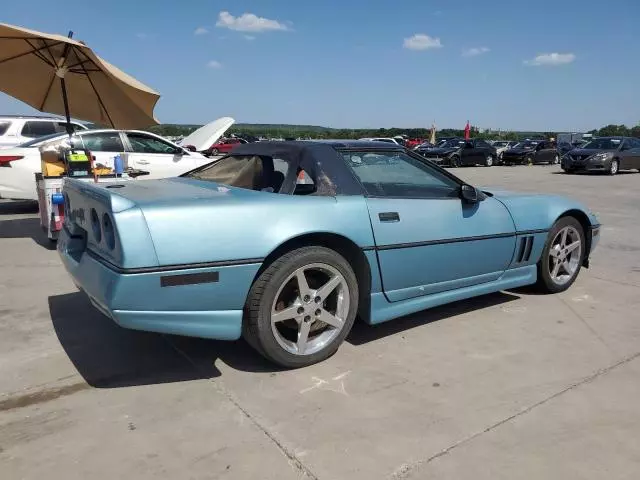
x=207 y=135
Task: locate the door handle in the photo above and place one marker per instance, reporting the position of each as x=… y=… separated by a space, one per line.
x=389 y=217
x=143 y=162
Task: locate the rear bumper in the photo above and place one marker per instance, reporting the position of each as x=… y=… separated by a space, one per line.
x=147 y=301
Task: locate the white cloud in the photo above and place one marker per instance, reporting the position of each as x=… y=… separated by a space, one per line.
x=248 y=22
x=474 y=52
x=201 y=31
x=551 y=60
x=249 y=37
x=420 y=41
x=214 y=64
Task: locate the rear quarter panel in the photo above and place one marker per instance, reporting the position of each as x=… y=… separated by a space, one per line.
x=211 y=231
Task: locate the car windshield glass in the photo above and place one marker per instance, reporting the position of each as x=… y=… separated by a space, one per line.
x=452 y=143
x=603 y=144
x=37 y=141
x=250 y=172
x=527 y=144
x=500 y=144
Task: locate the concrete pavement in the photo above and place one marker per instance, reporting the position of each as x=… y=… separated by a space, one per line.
x=512 y=385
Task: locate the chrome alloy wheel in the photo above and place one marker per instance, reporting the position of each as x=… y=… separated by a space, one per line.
x=310 y=309
x=564 y=255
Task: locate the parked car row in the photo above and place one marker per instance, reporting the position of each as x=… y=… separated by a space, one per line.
x=605 y=154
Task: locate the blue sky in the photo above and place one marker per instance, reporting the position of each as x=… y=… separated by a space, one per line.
x=509 y=64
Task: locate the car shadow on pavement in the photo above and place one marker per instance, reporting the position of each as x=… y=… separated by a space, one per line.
x=23 y=227
x=108 y=356
x=363 y=333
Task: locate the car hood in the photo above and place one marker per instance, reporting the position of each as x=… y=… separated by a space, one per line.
x=207 y=135
x=590 y=151
x=535 y=211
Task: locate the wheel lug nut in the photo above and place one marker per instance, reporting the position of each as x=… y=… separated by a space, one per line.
x=300 y=310
x=318 y=312
x=306 y=298
x=317 y=299
x=307 y=318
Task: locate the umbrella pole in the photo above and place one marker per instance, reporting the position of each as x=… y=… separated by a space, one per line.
x=65 y=101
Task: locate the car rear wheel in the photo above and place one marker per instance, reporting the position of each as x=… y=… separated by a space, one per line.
x=488 y=160
x=215 y=151
x=555 y=160
x=454 y=161
x=614 y=167
x=528 y=160
x=302 y=306
x=562 y=256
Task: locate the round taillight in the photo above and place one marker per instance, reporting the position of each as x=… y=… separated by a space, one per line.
x=109 y=233
x=95 y=225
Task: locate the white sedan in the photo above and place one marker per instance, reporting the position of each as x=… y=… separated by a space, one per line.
x=141 y=150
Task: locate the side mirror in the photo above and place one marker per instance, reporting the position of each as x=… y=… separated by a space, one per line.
x=469 y=194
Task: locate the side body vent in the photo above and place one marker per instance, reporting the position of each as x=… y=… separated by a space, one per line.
x=524 y=249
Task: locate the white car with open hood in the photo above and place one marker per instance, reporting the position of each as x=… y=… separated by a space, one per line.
x=141 y=150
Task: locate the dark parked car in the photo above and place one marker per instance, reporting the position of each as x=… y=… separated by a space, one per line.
x=606 y=154
x=458 y=151
x=531 y=152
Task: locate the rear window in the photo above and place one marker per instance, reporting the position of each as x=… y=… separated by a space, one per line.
x=250 y=172
x=4 y=126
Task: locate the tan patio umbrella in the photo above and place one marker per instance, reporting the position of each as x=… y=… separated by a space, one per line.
x=56 y=74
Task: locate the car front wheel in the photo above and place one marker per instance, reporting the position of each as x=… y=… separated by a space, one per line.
x=215 y=151
x=301 y=307
x=488 y=160
x=454 y=161
x=562 y=256
x=614 y=167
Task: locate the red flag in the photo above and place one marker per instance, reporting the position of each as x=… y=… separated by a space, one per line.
x=467 y=131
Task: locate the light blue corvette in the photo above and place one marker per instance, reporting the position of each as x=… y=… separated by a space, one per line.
x=287 y=242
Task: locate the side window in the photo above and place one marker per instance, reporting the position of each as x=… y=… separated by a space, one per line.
x=141 y=143
x=4 y=126
x=482 y=144
x=61 y=127
x=397 y=174
x=103 y=142
x=35 y=129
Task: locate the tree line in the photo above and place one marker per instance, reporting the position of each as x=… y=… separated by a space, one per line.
x=315 y=132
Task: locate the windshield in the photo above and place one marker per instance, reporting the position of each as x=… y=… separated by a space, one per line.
x=603 y=144
x=500 y=144
x=37 y=141
x=453 y=143
x=528 y=144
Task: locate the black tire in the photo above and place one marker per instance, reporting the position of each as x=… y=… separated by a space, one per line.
x=545 y=283
x=454 y=161
x=614 y=167
x=568 y=171
x=555 y=160
x=257 y=316
x=214 y=151
x=489 y=160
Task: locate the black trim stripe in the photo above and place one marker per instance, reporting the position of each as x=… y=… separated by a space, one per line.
x=168 y=268
x=532 y=232
x=444 y=240
x=189 y=279
x=454 y=240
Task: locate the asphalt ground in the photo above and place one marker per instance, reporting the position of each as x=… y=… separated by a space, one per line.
x=512 y=385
